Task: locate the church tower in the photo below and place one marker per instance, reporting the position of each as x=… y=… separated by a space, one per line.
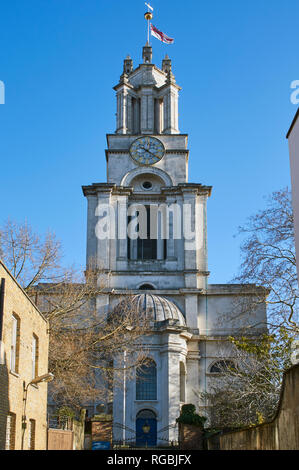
x=147 y=166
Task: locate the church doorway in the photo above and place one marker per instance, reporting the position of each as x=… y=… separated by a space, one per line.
x=146 y=429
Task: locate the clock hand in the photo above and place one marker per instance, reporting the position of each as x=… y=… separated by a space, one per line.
x=149 y=151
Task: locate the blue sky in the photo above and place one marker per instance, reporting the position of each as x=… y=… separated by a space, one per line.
x=59 y=60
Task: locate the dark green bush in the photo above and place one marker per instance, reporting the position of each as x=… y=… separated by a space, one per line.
x=188 y=416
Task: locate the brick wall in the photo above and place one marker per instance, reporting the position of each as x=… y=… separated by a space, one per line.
x=31 y=322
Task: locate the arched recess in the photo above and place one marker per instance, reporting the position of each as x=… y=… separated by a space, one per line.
x=146 y=286
x=219 y=367
x=128 y=178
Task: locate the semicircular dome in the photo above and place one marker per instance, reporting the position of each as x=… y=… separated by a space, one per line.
x=159 y=309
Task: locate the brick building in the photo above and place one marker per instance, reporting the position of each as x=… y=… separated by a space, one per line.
x=24 y=344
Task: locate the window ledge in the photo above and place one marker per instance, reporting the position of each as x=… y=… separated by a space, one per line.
x=146 y=401
x=146 y=261
x=15 y=374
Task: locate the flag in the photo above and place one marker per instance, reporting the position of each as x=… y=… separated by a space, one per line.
x=149 y=6
x=161 y=36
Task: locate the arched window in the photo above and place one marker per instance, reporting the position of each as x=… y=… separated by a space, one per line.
x=222 y=366
x=146 y=287
x=146 y=381
x=146 y=414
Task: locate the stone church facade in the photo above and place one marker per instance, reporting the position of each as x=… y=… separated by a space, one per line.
x=147 y=165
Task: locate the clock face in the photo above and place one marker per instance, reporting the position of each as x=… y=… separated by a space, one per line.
x=147 y=150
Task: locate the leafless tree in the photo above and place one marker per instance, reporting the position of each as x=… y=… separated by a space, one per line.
x=30 y=257
x=84 y=342
x=269 y=260
x=246 y=390
x=87 y=353
x=249 y=393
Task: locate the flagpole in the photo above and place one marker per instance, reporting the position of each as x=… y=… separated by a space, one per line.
x=148 y=16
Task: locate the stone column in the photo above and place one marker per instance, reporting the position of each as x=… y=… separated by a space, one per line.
x=171 y=122
x=174 y=121
x=192 y=383
x=202 y=244
x=103 y=239
x=190 y=228
x=122 y=113
x=159 y=233
x=174 y=218
x=164 y=394
x=174 y=387
x=129 y=115
x=131 y=234
x=118 y=120
x=165 y=113
x=91 y=252
x=171 y=384
x=122 y=225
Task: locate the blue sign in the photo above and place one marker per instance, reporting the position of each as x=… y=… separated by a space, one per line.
x=100 y=445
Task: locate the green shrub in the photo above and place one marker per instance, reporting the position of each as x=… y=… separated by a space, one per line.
x=188 y=416
x=65 y=412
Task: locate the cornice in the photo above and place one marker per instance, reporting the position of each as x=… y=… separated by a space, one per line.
x=161 y=273
x=122 y=84
x=169 y=84
x=108 y=188
x=112 y=291
x=237 y=289
x=141 y=135
x=195 y=188
x=167 y=151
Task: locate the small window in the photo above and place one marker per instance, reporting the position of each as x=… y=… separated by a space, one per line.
x=31 y=434
x=147 y=185
x=146 y=287
x=15 y=344
x=10 y=432
x=222 y=366
x=35 y=353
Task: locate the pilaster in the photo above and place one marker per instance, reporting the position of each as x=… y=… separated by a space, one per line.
x=192 y=365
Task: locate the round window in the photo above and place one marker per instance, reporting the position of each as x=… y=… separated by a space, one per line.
x=147 y=185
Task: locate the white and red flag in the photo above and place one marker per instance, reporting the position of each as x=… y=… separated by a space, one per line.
x=161 y=36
